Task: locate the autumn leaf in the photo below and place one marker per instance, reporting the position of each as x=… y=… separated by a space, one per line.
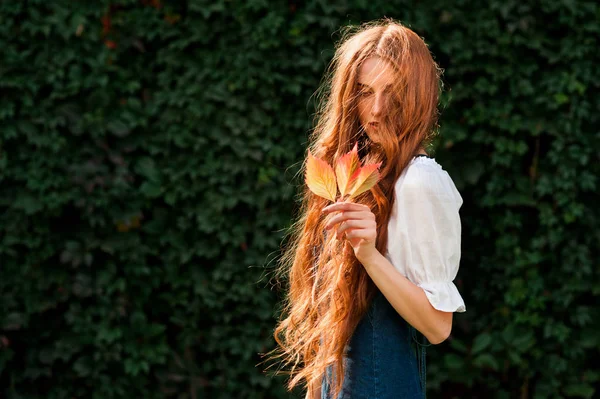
x=349 y=176
x=320 y=178
x=364 y=179
x=345 y=168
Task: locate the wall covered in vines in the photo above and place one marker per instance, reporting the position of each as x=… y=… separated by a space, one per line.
x=148 y=159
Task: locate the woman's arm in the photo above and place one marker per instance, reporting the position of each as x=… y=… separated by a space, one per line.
x=358 y=225
x=409 y=300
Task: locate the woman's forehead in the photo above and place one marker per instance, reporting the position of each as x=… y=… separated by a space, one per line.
x=375 y=72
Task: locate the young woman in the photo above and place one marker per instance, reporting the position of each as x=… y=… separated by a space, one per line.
x=350 y=320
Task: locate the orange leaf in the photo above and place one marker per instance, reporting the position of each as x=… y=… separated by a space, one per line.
x=364 y=179
x=345 y=168
x=320 y=178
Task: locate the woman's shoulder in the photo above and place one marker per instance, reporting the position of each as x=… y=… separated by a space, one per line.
x=425 y=176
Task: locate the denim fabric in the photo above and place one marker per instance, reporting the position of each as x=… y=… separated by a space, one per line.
x=380 y=361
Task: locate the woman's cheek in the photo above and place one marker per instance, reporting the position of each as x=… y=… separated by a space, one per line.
x=362 y=114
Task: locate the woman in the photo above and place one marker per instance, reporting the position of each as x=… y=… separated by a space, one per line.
x=348 y=320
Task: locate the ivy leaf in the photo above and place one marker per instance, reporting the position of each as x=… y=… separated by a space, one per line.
x=345 y=168
x=364 y=179
x=481 y=342
x=320 y=178
x=486 y=360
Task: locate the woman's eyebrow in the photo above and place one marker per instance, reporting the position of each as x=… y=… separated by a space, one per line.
x=365 y=85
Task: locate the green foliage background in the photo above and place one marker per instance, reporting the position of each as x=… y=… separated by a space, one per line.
x=148 y=152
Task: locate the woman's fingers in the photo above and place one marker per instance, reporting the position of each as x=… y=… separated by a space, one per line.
x=345 y=206
x=361 y=233
x=349 y=216
x=353 y=221
x=354 y=224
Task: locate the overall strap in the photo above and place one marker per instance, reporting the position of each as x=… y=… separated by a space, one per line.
x=420 y=343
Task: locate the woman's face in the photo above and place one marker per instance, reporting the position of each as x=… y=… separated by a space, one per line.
x=375 y=78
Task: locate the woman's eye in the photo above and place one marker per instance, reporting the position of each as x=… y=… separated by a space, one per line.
x=366 y=92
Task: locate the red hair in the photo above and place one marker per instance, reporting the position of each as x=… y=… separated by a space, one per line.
x=329 y=292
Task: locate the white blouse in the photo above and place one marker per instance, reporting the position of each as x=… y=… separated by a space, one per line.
x=424 y=232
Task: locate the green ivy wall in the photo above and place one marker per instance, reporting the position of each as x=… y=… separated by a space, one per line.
x=148 y=159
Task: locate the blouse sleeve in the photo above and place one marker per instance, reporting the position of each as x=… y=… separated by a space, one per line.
x=424 y=234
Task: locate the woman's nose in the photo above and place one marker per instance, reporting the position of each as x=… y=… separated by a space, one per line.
x=377 y=107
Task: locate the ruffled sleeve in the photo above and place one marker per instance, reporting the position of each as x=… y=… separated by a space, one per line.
x=424 y=233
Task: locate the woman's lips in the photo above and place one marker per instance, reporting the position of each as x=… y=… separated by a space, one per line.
x=373 y=124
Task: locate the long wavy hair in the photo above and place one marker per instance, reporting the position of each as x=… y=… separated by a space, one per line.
x=328 y=292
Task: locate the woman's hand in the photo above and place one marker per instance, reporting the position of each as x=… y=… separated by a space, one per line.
x=357 y=224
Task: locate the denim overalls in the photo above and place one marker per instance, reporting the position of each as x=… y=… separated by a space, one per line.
x=383 y=359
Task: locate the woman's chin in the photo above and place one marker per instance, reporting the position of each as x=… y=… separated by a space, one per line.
x=373 y=138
